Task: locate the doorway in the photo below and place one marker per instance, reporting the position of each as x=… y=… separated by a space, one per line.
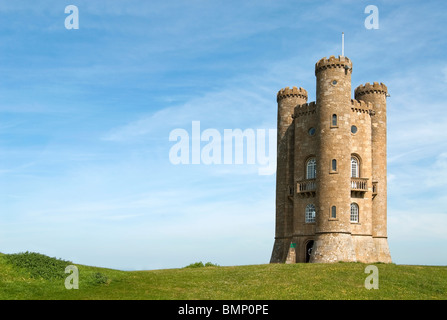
x=309 y=246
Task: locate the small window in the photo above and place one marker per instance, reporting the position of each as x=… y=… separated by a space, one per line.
x=310 y=213
x=334 y=212
x=354 y=129
x=311 y=131
x=334 y=165
x=334 y=82
x=334 y=120
x=354 y=212
x=311 y=169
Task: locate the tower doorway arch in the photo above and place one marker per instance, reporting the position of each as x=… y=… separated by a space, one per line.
x=309 y=246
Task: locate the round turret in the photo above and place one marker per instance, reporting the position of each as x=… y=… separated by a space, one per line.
x=332 y=228
x=376 y=94
x=287 y=100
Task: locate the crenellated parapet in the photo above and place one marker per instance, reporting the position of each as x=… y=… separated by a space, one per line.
x=333 y=62
x=305 y=109
x=376 y=87
x=362 y=106
x=294 y=92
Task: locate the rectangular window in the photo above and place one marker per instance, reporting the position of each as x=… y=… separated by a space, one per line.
x=310 y=213
x=354 y=212
x=333 y=212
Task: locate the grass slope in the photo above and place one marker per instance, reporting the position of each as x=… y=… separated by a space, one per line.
x=268 y=281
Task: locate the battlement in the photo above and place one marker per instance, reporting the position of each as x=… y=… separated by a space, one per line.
x=362 y=106
x=304 y=109
x=333 y=62
x=294 y=92
x=370 y=88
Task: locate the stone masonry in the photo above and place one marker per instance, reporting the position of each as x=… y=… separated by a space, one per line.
x=331 y=170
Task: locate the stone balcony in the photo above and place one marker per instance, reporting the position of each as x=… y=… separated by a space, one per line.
x=359 y=186
x=306 y=188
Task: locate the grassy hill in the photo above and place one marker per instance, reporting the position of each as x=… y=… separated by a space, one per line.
x=34 y=276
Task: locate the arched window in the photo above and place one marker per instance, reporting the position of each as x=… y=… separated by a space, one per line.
x=354 y=212
x=334 y=120
x=334 y=165
x=355 y=167
x=311 y=169
x=333 y=212
x=310 y=213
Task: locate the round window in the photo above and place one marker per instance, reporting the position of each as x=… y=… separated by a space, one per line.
x=311 y=131
x=334 y=82
x=353 y=129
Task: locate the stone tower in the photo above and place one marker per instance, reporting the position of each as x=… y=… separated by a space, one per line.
x=331 y=170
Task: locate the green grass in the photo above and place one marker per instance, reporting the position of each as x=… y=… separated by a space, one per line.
x=21 y=279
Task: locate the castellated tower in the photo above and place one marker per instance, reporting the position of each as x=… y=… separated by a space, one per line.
x=331 y=170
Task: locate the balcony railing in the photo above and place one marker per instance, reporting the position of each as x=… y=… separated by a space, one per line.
x=306 y=187
x=359 y=184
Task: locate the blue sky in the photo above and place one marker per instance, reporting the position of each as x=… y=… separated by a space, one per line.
x=85 y=118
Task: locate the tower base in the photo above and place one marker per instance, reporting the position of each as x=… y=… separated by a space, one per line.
x=382 y=249
x=280 y=250
x=365 y=248
x=333 y=247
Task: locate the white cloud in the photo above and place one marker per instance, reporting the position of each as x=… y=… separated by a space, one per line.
x=246 y=101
